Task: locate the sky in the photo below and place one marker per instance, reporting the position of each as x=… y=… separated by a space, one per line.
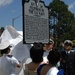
x=12 y=9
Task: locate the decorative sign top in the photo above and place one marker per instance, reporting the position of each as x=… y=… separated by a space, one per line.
x=36 y=2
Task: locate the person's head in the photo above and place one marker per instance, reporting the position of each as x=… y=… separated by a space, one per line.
x=53 y=57
x=5 y=47
x=36 y=53
x=68 y=45
x=50 y=45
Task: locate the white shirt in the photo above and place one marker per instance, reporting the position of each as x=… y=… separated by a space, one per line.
x=45 y=55
x=68 y=52
x=8 y=65
x=52 y=71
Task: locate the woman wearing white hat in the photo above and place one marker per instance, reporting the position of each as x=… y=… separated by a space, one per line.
x=8 y=62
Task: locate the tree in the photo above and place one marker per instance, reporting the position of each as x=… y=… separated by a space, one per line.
x=61 y=20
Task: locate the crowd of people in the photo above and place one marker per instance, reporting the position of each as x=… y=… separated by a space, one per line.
x=44 y=58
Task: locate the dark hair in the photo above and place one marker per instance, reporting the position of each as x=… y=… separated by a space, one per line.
x=53 y=57
x=5 y=51
x=36 y=53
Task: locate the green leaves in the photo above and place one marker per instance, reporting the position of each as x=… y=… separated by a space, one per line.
x=63 y=20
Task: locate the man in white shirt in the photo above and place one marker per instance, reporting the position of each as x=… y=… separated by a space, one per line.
x=8 y=62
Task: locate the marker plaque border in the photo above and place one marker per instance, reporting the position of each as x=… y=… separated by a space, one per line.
x=35 y=22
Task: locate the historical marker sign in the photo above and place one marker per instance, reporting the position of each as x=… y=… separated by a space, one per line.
x=35 y=22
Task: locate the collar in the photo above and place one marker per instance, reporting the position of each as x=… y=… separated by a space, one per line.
x=68 y=52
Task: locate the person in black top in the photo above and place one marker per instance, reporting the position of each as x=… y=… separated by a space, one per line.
x=67 y=61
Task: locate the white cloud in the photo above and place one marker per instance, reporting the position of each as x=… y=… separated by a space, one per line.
x=5 y=2
x=72 y=5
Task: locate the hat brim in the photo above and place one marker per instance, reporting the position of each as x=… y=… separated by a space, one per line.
x=4 y=45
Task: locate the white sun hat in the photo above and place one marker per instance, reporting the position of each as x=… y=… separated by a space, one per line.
x=4 y=45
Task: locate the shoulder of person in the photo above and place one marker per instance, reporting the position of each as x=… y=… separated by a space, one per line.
x=60 y=72
x=63 y=52
x=72 y=52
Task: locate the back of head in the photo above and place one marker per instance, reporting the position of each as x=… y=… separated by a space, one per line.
x=53 y=57
x=36 y=53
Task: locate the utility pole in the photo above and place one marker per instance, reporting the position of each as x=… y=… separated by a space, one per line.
x=14 y=20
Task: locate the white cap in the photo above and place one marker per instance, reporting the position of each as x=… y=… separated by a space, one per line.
x=4 y=45
x=51 y=41
x=68 y=42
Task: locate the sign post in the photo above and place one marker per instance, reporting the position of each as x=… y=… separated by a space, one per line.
x=35 y=21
